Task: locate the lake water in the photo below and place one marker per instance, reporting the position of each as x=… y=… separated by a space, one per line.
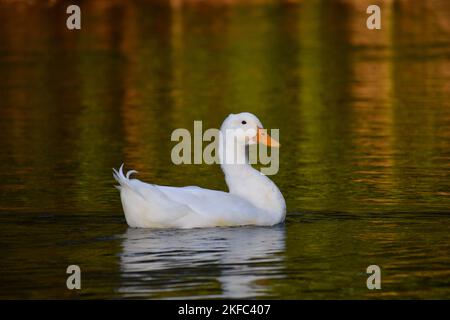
x=364 y=119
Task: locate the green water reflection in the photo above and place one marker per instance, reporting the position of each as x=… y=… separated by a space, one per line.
x=364 y=120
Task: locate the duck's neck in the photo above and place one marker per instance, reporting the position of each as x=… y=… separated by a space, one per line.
x=246 y=182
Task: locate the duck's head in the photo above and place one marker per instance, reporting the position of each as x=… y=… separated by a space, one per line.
x=246 y=128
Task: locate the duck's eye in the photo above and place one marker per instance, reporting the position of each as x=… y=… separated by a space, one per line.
x=244 y=122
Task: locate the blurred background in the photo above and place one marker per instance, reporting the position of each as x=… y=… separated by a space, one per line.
x=364 y=119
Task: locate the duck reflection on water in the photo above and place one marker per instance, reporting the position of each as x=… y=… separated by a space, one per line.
x=218 y=262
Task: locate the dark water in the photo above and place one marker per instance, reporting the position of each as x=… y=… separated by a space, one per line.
x=364 y=119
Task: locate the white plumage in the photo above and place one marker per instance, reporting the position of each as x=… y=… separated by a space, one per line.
x=253 y=199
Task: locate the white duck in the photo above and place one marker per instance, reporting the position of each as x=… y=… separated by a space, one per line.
x=253 y=199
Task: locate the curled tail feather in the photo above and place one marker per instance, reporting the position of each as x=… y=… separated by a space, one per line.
x=122 y=179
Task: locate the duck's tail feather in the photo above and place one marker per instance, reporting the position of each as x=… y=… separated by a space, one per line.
x=121 y=178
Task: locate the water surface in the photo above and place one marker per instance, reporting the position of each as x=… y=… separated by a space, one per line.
x=364 y=120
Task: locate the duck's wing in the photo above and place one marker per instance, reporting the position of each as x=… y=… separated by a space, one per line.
x=216 y=207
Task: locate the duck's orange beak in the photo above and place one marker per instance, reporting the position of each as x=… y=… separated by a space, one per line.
x=264 y=138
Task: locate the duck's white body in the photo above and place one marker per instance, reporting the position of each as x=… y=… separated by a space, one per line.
x=253 y=199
